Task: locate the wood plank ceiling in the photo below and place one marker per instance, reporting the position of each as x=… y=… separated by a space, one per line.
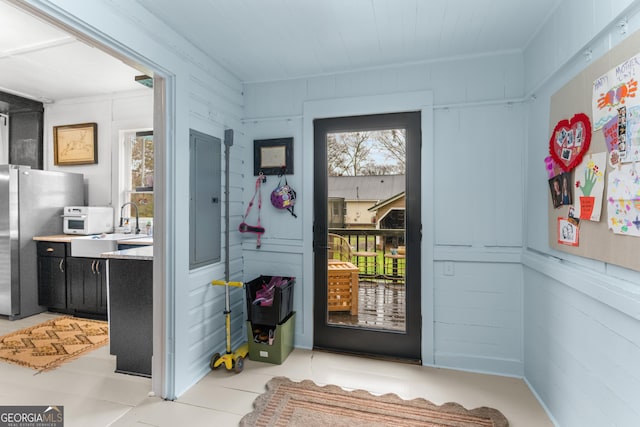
x=260 y=40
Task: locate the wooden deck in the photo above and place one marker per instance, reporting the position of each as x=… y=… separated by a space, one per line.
x=381 y=305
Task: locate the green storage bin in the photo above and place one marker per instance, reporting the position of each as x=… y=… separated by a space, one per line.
x=282 y=342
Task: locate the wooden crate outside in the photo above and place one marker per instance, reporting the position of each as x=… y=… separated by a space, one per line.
x=342 y=287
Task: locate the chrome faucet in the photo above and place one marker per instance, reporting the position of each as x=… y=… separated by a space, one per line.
x=137 y=218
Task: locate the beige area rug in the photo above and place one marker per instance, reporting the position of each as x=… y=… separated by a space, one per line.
x=51 y=343
x=289 y=403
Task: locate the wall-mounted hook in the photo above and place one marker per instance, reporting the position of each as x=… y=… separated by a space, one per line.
x=623 y=26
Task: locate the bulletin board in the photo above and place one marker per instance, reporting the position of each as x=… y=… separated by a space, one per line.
x=606 y=98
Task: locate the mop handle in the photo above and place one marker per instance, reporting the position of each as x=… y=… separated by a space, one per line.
x=222 y=282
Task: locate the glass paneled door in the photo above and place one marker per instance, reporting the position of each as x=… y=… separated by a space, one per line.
x=367 y=235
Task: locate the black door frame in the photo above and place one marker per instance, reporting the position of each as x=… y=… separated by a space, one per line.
x=382 y=343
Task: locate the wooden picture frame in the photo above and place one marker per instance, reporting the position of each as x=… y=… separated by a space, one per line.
x=75 y=144
x=273 y=156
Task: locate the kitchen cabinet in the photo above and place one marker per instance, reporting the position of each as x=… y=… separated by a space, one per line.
x=52 y=278
x=131 y=314
x=71 y=285
x=87 y=286
x=26 y=136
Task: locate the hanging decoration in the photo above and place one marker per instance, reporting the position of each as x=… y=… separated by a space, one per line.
x=623 y=200
x=589 y=182
x=616 y=88
x=631 y=135
x=552 y=167
x=561 y=189
x=284 y=197
x=258 y=228
x=568 y=232
x=569 y=141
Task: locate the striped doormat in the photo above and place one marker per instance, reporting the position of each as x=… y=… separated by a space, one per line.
x=289 y=403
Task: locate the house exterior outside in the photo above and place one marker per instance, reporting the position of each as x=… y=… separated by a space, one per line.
x=390 y=215
x=360 y=194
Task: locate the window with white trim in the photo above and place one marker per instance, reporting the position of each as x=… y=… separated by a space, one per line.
x=137 y=176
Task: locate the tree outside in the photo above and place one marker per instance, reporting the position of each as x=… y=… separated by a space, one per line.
x=358 y=153
x=142 y=174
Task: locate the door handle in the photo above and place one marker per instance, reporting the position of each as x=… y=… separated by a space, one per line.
x=61 y=265
x=97 y=266
x=93 y=265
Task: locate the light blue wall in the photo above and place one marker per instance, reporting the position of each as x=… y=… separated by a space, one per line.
x=473 y=185
x=570 y=325
x=202 y=96
x=581 y=317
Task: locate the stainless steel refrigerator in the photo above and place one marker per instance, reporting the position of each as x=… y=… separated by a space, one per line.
x=31 y=204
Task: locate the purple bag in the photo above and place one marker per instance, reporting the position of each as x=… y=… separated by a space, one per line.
x=264 y=296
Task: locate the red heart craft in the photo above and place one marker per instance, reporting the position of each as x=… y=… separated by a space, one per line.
x=569 y=141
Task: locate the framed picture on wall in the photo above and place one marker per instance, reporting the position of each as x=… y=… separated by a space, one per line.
x=273 y=156
x=75 y=144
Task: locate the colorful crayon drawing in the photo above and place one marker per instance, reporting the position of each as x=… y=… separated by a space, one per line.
x=623 y=200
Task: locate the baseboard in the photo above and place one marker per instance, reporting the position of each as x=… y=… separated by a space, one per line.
x=482 y=365
x=541 y=402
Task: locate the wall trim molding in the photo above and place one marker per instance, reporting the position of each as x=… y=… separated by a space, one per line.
x=490 y=254
x=619 y=294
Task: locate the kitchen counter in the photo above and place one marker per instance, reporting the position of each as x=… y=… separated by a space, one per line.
x=143 y=253
x=66 y=238
x=60 y=238
x=142 y=241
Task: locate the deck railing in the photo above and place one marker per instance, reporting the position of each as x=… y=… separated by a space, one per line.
x=368 y=239
x=382 y=242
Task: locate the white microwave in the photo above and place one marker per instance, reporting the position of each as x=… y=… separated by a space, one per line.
x=87 y=220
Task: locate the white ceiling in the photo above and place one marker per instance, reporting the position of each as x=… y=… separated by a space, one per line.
x=260 y=40
x=41 y=62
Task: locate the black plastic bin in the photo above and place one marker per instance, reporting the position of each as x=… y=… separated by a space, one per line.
x=282 y=304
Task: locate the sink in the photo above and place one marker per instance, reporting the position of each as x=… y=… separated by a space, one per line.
x=93 y=246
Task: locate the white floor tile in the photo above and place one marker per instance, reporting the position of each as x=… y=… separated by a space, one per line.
x=94 y=395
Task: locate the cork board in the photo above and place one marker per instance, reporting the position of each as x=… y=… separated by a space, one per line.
x=596 y=241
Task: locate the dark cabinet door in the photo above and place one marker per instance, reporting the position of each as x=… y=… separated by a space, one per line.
x=52 y=279
x=101 y=286
x=52 y=282
x=87 y=288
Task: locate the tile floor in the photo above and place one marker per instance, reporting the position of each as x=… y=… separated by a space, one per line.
x=93 y=395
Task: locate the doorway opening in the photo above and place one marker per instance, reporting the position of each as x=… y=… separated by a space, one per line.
x=367 y=235
x=162 y=383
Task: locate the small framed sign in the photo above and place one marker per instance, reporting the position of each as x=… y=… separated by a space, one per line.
x=273 y=156
x=75 y=144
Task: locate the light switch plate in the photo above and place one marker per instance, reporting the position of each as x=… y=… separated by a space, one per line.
x=448 y=268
